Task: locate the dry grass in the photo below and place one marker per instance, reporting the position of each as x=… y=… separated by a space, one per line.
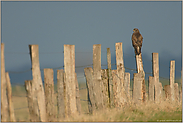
x=148 y=112
x=164 y=111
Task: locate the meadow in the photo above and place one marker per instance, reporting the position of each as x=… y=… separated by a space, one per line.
x=147 y=112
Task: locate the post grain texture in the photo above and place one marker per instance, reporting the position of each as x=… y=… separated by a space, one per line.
x=10 y=102
x=155 y=58
x=151 y=88
x=167 y=89
x=32 y=102
x=111 y=97
x=69 y=68
x=172 y=79
x=161 y=91
x=4 y=101
x=78 y=103
x=37 y=85
x=115 y=78
x=61 y=94
x=105 y=88
x=49 y=95
x=139 y=65
x=127 y=85
x=137 y=88
x=176 y=91
x=97 y=75
x=120 y=95
x=90 y=86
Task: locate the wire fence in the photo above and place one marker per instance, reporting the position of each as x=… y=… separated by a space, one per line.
x=62 y=67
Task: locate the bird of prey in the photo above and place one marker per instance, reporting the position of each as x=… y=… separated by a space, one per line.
x=137 y=41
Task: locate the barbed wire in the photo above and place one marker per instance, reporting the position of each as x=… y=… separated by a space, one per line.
x=17 y=72
x=61 y=67
x=21 y=108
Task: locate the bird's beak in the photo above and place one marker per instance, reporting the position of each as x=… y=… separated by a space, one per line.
x=133 y=30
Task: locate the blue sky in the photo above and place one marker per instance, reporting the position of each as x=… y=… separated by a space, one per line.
x=53 y=24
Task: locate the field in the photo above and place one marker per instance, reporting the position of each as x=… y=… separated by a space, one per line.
x=164 y=111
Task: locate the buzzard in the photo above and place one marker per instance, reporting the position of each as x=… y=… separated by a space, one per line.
x=137 y=41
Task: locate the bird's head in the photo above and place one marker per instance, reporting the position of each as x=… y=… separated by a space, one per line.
x=135 y=30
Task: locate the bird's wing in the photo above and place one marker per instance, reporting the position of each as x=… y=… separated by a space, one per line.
x=140 y=40
x=134 y=40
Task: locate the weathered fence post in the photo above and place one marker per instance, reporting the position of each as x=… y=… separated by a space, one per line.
x=90 y=87
x=49 y=95
x=180 y=91
x=151 y=88
x=10 y=103
x=105 y=87
x=180 y=95
x=115 y=77
x=140 y=70
x=127 y=85
x=111 y=97
x=61 y=97
x=69 y=68
x=97 y=75
x=32 y=102
x=172 y=78
x=155 y=58
x=78 y=102
x=161 y=90
x=137 y=88
x=4 y=101
x=167 y=92
x=121 y=95
x=176 y=91
x=37 y=81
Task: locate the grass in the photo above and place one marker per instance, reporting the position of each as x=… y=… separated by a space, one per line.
x=148 y=112
x=143 y=113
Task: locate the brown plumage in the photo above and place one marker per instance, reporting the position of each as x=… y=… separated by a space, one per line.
x=137 y=41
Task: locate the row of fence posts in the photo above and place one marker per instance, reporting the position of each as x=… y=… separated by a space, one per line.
x=7 y=109
x=105 y=87
x=111 y=88
x=41 y=101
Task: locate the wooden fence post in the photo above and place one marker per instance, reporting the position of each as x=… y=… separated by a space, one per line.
x=167 y=92
x=139 y=65
x=137 y=88
x=151 y=88
x=49 y=95
x=161 y=91
x=61 y=97
x=172 y=78
x=37 y=81
x=90 y=87
x=97 y=75
x=78 y=103
x=155 y=58
x=32 y=102
x=10 y=103
x=111 y=97
x=97 y=61
x=180 y=95
x=176 y=91
x=69 y=68
x=104 y=87
x=4 y=100
x=121 y=95
x=114 y=76
x=180 y=91
x=127 y=85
